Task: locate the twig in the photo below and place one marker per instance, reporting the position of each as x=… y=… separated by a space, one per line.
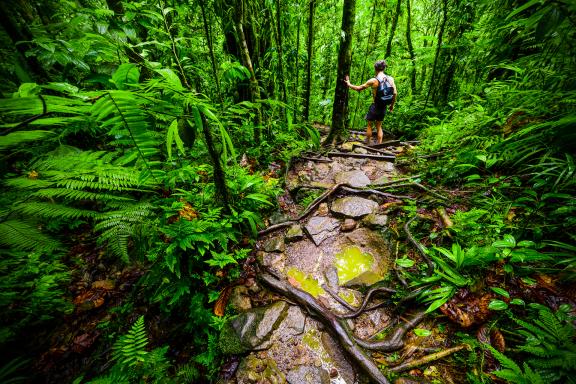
x=428 y=358
x=338 y=327
x=394 y=340
x=420 y=247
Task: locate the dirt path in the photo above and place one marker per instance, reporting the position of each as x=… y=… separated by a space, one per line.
x=305 y=320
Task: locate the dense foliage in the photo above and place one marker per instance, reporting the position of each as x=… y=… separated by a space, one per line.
x=143 y=144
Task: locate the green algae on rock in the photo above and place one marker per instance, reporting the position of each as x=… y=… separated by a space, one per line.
x=356 y=267
x=307 y=283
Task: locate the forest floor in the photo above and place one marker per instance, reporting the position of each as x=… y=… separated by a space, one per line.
x=323 y=310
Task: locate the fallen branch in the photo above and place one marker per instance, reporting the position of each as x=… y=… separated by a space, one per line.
x=376 y=192
x=338 y=327
x=412 y=184
x=317 y=159
x=420 y=247
x=395 y=340
x=386 y=144
x=428 y=358
x=392 y=182
x=275 y=227
x=361 y=156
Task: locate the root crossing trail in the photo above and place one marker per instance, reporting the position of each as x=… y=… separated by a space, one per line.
x=325 y=292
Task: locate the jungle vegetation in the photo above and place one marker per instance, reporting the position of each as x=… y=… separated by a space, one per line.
x=143 y=146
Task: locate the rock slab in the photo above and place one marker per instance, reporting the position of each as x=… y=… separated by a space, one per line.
x=354 y=207
x=356 y=179
x=320 y=228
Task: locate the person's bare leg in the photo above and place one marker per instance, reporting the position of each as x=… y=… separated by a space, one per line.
x=379 y=131
x=368 y=132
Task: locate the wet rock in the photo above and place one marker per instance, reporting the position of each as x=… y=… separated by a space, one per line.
x=239 y=299
x=275 y=244
x=348 y=145
x=305 y=374
x=361 y=151
x=348 y=225
x=356 y=179
x=279 y=217
x=354 y=207
x=249 y=330
x=294 y=233
x=323 y=210
x=272 y=260
x=331 y=276
x=375 y=221
x=292 y=325
x=320 y=228
x=342 y=367
x=358 y=268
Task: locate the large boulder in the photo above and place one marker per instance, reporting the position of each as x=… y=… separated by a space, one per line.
x=354 y=207
x=251 y=329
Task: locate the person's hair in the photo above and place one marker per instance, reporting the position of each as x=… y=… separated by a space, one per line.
x=380 y=65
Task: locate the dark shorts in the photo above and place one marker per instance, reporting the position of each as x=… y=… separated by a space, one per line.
x=375 y=113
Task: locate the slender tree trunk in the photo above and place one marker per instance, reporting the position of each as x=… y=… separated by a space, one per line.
x=308 y=85
x=365 y=58
x=438 y=48
x=393 y=29
x=410 y=47
x=281 y=77
x=340 y=107
x=247 y=62
x=210 y=49
x=297 y=70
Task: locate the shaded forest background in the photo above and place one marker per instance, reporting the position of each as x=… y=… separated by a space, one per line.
x=144 y=143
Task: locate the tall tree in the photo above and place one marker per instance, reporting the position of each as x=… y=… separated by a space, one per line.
x=410 y=47
x=247 y=62
x=210 y=48
x=340 y=107
x=438 y=50
x=310 y=44
x=393 y=29
x=297 y=68
x=281 y=77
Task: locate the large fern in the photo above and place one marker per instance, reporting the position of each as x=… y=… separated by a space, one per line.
x=130 y=349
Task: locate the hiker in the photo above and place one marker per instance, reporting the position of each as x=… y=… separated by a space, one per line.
x=384 y=95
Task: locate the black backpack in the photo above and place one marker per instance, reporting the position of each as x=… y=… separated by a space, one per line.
x=384 y=93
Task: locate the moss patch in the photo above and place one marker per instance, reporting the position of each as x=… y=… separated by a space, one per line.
x=306 y=282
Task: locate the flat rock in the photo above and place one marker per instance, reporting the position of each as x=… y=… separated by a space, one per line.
x=307 y=374
x=356 y=179
x=375 y=221
x=239 y=299
x=279 y=217
x=354 y=207
x=275 y=244
x=320 y=228
x=361 y=151
x=294 y=233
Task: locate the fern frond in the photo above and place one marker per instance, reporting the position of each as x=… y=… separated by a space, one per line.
x=129 y=349
x=54 y=211
x=20 y=235
x=75 y=195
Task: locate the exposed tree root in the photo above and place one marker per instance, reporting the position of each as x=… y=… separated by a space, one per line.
x=317 y=159
x=368 y=148
x=376 y=192
x=362 y=308
x=398 y=181
x=411 y=184
x=420 y=247
x=337 y=326
x=428 y=358
x=362 y=156
x=394 y=340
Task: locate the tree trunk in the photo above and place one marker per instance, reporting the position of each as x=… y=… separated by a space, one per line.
x=210 y=49
x=247 y=62
x=297 y=70
x=281 y=77
x=393 y=29
x=438 y=48
x=410 y=47
x=340 y=107
x=365 y=58
x=308 y=85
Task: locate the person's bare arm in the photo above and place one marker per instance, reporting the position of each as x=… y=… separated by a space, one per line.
x=358 y=88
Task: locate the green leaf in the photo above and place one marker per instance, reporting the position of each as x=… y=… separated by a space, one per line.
x=517 y=302
x=405 y=262
x=422 y=332
x=125 y=75
x=501 y=292
x=497 y=305
x=173 y=135
x=507 y=242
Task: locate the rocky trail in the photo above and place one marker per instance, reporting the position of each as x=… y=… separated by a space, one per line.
x=329 y=305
